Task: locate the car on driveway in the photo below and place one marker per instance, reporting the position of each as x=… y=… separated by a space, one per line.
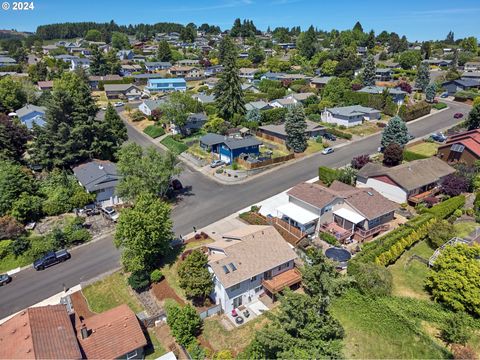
x=216 y=163
x=327 y=151
x=458 y=115
x=51 y=258
x=330 y=137
x=5 y=279
x=118 y=104
x=111 y=213
x=444 y=95
x=440 y=137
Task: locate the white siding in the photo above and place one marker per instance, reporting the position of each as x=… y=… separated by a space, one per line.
x=391 y=192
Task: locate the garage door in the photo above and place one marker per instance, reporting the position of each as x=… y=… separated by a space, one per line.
x=225 y=158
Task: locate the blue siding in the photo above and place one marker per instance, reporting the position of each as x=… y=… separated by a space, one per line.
x=32 y=117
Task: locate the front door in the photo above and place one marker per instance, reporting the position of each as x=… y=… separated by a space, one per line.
x=237 y=302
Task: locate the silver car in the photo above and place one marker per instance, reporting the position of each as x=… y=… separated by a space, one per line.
x=217 y=163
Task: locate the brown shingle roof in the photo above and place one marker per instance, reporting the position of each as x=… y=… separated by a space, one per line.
x=260 y=248
x=313 y=194
x=44 y=332
x=112 y=334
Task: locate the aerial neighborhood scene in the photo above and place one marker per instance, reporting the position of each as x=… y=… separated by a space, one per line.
x=240 y=179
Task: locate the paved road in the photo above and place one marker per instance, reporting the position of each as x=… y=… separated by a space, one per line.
x=207 y=203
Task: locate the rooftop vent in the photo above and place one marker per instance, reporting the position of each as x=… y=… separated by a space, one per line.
x=84 y=331
x=370 y=193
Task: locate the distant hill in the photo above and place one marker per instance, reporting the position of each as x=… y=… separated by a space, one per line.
x=13 y=34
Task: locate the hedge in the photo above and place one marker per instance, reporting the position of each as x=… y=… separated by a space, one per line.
x=173 y=145
x=411 y=156
x=327 y=175
x=409 y=113
x=447 y=207
x=154 y=131
x=329 y=238
x=339 y=133
x=439 y=106
x=466 y=95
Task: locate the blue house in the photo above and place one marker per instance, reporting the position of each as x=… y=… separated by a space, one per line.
x=30 y=114
x=230 y=148
x=166 y=85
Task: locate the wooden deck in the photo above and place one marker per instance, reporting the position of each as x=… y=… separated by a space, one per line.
x=282 y=281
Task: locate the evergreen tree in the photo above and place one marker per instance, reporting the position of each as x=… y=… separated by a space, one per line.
x=426 y=49
x=423 y=76
x=395 y=132
x=370 y=40
x=226 y=48
x=113 y=63
x=256 y=54
x=228 y=91
x=473 y=121
x=450 y=39
x=114 y=134
x=98 y=66
x=236 y=28
x=454 y=64
x=430 y=92
x=194 y=276
x=295 y=126
x=164 y=53
x=369 y=72
x=306 y=43
x=358 y=27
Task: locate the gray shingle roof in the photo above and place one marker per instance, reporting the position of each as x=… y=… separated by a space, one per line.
x=97 y=174
x=352 y=110
x=379 y=90
x=29 y=108
x=232 y=143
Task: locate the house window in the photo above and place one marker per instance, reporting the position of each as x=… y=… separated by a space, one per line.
x=235 y=287
x=258 y=289
x=253 y=278
x=132 y=354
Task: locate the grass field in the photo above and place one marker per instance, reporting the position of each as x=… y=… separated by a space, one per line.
x=425 y=149
x=173 y=145
x=464 y=229
x=110 y=292
x=154 y=131
x=314 y=147
x=408 y=279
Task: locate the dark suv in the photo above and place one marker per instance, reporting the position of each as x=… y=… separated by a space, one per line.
x=51 y=258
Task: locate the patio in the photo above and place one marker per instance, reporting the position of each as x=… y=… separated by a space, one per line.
x=255 y=308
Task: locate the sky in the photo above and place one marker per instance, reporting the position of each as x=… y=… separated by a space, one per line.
x=417 y=19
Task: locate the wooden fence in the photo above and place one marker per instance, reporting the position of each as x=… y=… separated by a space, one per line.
x=249 y=165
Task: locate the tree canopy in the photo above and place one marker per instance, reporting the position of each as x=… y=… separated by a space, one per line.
x=396 y=131
x=194 y=276
x=295 y=126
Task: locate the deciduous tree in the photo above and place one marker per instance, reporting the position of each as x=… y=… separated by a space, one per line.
x=473 y=121
x=393 y=154
x=164 y=53
x=13 y=138
x=184 y=323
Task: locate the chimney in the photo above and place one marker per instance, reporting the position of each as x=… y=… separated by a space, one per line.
x=100 y=167
x=84 y=331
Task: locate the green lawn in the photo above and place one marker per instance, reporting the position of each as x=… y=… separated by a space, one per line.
x=425 y=149
x=174 y=146
x=198 y=243
x=109 y=293
x=154 y=131
x=464 y=229
x=408 y=279
x=386 y=328
x=313 y=147
x=367 y=128
x=154 y=349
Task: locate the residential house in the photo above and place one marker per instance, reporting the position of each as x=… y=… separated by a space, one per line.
x=319 y=82
x=7 y=61
x=299 y=97
x=186 y=71
x=259 y=105
x=79 y=63
x=250 y=87
x=139 y=59
x=43 y=332
x=272 y=76
x=454 y=86
x=94 y=80
x=463 y=147
x=99 y=177
x=31 y=114
x=287 y=46
x=80 y=51
x=211 y=82
x=349 y=115
x=383 y=74
x=250 y=262
x=213 y=70
x=397 y=95
x=283 y=103
x=204 y=98
x=471 y=75
x=194 y=123
x=147 y=106
x=118 y=91
x=409 y=182
x=342 y=210
x=127 y=70
x=230 y=148
x=113 y=334
x=188 y=62
x=45 y=85
x=166 y=85
x=472 y=66
x=125 y=54
x=278 y=134
x=362 y=51
x=47 y=48
x=157 y=65
x=438 y=62
x=247 y=73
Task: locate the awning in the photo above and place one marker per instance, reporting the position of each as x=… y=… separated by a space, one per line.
x=297 y=213
x=349 y=215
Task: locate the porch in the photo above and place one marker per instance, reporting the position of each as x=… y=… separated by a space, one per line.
x=418 y=198
x=278 y=283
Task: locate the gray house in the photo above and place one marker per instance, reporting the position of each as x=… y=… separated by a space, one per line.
x=398 y=96
x=349 y=115
x=147 y=106
x=383 y=74
x=460 y=85
x=194 y=123
x=259 y=105
x=99 y=177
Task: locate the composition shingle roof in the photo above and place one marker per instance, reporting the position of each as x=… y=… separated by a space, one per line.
x=231 y=142
x=280 y=128
x=253 y=250
x=28 y=109
x=118 y=87
x=112 y=334
x=353 y=110
x=411 y=175
x=96 y=174
x=44 y=332
x=470 y=139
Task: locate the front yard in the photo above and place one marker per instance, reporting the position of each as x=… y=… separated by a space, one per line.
x=367 y=128
x=173 y=145
x=427 y=149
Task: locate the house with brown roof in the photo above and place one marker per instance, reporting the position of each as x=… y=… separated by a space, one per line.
x=409 y=182
x=463 y=147
x=248 y=263
x=277 y=133
x=341 y=209
x=186 y=71
x=43 y=332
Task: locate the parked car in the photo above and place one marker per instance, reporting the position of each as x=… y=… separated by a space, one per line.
x=327 y=151
x=217 y=163
x=51 y=258
x=440 y=137
x=330 y=137
x=5 y=279
x=410 y=137
x=444 y=95
x=458 y=115
x=118 y=104
x=176 y=185
x=110 y=213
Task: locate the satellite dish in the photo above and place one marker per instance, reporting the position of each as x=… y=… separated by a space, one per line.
x=12 y=114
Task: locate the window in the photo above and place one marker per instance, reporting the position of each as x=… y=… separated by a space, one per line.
x=132 y=354
x=258 y=289
x=457 y=148
x=235 y=287
x=253 y=278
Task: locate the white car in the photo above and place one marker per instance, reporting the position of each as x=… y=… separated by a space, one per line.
x=118 y=104
x=327 y=151
x=111 y=213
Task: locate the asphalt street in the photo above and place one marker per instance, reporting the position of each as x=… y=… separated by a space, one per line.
x=207 y=202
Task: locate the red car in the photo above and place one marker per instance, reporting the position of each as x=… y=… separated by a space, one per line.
x=458 y=115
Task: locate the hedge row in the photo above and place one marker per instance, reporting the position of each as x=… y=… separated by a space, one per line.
x=439 y=106
x=327 y=175
x=339 y=133
x=411 y=156
x=409 y=113
x=448 y=207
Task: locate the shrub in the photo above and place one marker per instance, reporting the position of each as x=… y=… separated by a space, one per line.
x=374 y=280
x=447 y=207
x=412 y=112
x=155 y=276
x=5 y=248
x=315 y=117
x=327 y=175
x=195 y=351
x=340 y=134
x=440 y=234
x=10 y=228
x=329 y=238
x=234 y=166
x=19 y=246
x=439 y=106
x=454 y=184
x=139 y=281
x=137 y=116
x=360 y=161
x=393 y=154
x=219 y=171
x=184 y=323
x=154 y=131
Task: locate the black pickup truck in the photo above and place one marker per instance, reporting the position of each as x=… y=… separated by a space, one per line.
x=51 y=258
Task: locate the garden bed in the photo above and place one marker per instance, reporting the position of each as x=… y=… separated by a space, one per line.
x=173 y=145
x=162 y=291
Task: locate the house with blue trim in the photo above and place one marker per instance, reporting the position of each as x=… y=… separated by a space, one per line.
x=166 y=85
x=30 y=114
x=230 y=148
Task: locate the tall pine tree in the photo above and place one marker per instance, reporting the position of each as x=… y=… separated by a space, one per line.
x=114 y=134
x=423 y=76
x=164 y=53
x=295 y=126
x=306 y=43
x=369 y=72
x=395 y=132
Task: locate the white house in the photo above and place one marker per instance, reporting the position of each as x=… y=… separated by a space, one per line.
x=247 y=73
x=249 y=262
x=147 y=106
x=349 y=115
